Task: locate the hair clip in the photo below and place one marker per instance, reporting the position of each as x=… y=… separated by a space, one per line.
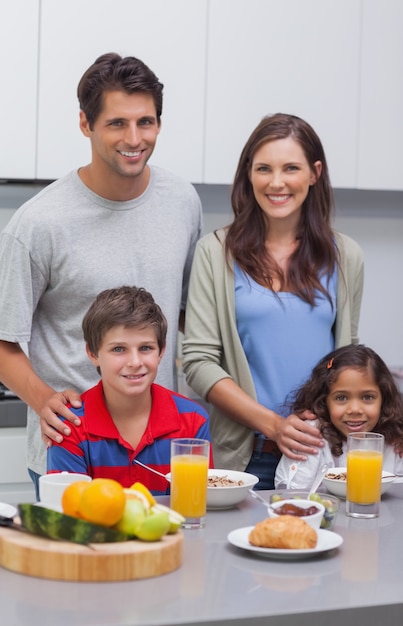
x=329 y=365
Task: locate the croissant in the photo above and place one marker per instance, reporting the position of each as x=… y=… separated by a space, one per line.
x=285 y=531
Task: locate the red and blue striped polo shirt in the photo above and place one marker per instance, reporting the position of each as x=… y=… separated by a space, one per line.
x=97 y=448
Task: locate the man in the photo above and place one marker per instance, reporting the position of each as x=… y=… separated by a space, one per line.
x=115 y=221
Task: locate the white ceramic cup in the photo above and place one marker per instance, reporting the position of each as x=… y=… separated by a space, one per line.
x=52 y=486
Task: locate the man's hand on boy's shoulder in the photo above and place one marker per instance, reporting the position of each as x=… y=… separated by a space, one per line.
x=53 y=428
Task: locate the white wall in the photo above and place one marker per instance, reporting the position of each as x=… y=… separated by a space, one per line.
x=381 y=313
x=373 y=219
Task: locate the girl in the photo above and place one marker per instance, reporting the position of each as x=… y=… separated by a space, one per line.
x=350 y=390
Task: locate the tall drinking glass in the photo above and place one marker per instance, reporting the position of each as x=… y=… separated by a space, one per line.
x=364 y=474
x=189 y=477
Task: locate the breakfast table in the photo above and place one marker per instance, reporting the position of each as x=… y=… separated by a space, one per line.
x=220 y=584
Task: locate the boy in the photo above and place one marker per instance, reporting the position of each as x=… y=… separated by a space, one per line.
x=126 y=416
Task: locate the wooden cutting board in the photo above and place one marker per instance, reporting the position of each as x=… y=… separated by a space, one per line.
x=61 y=560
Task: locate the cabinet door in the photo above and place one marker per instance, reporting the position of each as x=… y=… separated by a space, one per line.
x=19 y=79
x=266 y=56
x=15 y=483
x=381 y=126
x=167 y=36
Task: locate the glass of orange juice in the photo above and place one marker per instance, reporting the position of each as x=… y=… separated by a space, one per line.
x=364 y=474
x=189 y=477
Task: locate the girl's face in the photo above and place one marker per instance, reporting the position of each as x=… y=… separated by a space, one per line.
x=281 y=176
x=354 y=401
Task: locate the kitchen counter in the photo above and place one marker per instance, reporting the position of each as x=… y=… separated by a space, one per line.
x=362 y=582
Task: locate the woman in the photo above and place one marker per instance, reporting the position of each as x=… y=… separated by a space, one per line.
x=269 y=296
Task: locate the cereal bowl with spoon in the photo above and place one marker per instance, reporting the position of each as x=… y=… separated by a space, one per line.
x=335 y=481
x=226 y=488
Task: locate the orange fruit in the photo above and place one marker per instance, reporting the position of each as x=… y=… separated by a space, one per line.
x=102 y=502
x=71 y=497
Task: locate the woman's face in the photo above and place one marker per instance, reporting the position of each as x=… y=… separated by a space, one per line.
x=281 y=176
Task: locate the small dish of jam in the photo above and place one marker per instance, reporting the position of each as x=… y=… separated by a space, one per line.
x=311 y=512
x=292 y=509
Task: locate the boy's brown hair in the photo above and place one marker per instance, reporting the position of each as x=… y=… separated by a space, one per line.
x=122 y=306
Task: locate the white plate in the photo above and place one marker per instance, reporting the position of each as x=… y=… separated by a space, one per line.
x=7 y=510
x=327 y=540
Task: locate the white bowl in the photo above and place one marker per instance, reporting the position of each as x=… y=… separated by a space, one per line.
x=329 y=501
x=313 y=520
x=338 y=486
x=220 y=497
x=7 y=510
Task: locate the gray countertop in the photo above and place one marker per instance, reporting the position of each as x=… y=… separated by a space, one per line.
x=362 y=582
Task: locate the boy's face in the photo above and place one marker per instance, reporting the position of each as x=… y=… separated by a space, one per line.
x=128 y=359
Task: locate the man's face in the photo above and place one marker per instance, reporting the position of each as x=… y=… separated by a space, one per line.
x=123 y=136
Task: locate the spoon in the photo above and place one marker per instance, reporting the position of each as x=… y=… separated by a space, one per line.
x=318 y=479
x=257 y=496
x=150 y=469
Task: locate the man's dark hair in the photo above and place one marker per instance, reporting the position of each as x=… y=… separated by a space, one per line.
x=111 y=72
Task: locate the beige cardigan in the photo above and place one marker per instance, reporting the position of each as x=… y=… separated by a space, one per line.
x=212 y=349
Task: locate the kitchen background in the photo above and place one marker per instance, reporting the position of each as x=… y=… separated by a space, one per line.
x=225 y=64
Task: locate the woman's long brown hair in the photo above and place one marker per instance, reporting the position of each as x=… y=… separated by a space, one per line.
x=316 y=254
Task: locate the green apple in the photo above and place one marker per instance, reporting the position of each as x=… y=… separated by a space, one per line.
x=133 y=517
x=154 y=526
x=175 y=519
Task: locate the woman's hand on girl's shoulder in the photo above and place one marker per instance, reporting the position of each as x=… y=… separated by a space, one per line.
x=297 y=437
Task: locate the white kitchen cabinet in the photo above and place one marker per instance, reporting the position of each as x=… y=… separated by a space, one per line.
x=19 y=80
x=380 y=120
x=169 y=36
x=15 y=483
x=225 y=64
x=299 y=57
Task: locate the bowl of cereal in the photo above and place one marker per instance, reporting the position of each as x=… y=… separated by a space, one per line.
x=227 y=488
x=335 y=481
x=330 y=502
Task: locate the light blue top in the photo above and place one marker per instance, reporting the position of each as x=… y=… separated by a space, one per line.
x=283 y=337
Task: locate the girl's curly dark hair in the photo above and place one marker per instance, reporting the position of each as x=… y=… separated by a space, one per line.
x=313 y=395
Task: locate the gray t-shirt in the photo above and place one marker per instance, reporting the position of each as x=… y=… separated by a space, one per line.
x=64 y=246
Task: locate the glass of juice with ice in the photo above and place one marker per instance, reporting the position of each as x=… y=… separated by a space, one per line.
x=364 y=474
x=189 y=477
